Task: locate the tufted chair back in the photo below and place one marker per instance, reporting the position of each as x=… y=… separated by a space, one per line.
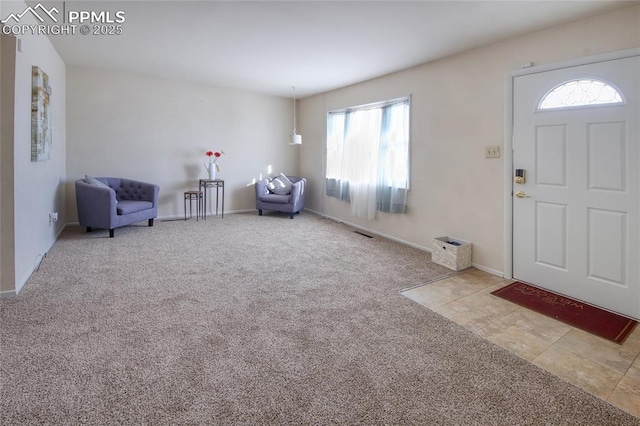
x=127 y=189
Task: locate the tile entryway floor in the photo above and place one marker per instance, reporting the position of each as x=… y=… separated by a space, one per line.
x=605 y=369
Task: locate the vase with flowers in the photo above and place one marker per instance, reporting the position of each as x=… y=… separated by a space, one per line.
x=213 y=167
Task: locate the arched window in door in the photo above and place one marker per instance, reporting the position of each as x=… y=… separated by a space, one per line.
x=580 y=93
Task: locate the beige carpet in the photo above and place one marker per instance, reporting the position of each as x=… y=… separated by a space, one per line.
x=256 y=320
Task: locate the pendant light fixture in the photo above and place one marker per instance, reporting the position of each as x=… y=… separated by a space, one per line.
x=296 y=139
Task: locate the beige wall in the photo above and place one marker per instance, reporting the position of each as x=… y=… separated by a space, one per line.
x=38 y=187
x=155 y=130
x=7 y=100
x=458 y=107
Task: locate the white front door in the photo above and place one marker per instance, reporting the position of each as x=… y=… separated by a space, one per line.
x=576 y=223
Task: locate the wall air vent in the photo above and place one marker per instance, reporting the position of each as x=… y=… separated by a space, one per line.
x=363 y=234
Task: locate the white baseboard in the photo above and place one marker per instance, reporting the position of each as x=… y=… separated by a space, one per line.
x=489 y=270
x=181 y=217
x=10 y=293
x=371 y=231
x=21 y=283
x=399 y=240
x=353 y=225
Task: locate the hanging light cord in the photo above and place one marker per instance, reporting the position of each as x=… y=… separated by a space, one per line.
x=294 y=109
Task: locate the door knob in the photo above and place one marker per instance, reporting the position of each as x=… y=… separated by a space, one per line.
x=521 y=194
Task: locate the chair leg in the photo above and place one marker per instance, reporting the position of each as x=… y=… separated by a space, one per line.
x=259 y=212
x=89 y=229
x=290 y=215
x=150 y=222
x=110 y=233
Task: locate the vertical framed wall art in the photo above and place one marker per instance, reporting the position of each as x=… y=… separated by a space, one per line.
x=40 y=115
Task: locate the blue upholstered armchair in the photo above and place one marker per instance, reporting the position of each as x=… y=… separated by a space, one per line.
x=288 y=203
x=109 y=203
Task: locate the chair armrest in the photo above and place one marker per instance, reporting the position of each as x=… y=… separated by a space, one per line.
x=261 y=188
x=96 y=205
x=296 y=191
x=152 y=192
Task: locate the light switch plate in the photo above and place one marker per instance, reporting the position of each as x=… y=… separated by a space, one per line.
x=492 y=151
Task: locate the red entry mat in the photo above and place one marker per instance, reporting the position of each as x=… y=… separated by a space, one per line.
x=594 y=320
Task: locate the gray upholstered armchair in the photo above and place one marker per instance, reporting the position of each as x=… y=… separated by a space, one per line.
x=109 y=203
x=288 y=203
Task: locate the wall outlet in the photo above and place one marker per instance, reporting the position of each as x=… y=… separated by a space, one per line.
x=492 y=151
x=53 y=217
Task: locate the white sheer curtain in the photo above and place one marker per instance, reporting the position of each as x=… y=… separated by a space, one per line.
x=393 y=169
x=368 y=157
x=361 y=154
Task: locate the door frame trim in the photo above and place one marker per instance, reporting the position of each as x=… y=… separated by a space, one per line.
x=508 y=135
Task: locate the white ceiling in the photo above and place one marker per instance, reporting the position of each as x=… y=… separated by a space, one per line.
x=268 y=47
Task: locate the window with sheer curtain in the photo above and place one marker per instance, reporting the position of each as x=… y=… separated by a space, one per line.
x=368 y=157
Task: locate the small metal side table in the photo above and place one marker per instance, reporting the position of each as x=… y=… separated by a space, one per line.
x=218 y=184
x=190 y=196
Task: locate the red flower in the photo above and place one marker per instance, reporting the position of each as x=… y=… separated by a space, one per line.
x=214 y=154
